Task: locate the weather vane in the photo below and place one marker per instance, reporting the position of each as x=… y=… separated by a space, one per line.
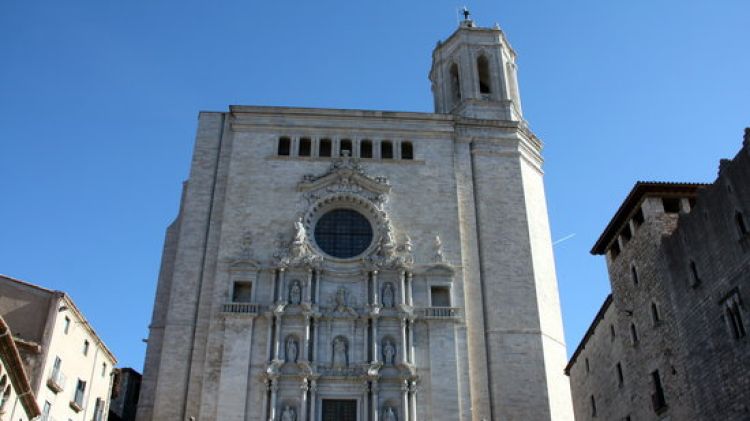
x=466 y=13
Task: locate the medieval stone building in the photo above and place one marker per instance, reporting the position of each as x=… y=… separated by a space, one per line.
x=671 y=341
x=364 y=265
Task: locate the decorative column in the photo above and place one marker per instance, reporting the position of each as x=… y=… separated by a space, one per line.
x=411 y=342
x=375 y=348
x=318 y=274
x=315 y=340
x=313 y=398
x=274 y=391
x=308 y=290
x=404 y=348
x=375 y=405
x=365 y=395
x=277 y=336
x=403 y=287
x=410 y=289
x=303 y=401
x=306 y=344
x=281 y=285
x=404 y=415
x=413 y=401
x=375 y=288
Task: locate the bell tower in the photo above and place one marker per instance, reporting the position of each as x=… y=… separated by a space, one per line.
x=474 y=74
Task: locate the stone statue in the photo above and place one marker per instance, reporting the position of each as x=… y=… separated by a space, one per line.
x=340 y=359
x=340 y=300
x=389 y=414
x=299 y=232
x=291 y=350
x=389 y=352
x=295 y=293
x=388 y=295
x=289 y=414
x=438 y=258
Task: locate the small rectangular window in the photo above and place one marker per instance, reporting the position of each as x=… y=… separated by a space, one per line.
x=638 y=218
x=633 y=334
x=365 y=149
x=655 y=318
x=66 y=329
x=85 y=347
x=104 y=369
x=593 y=406
x=80 y=392
x=626 y=234
x=620 y=378
x=614 y=250
x=695 y=280
x=671 y=204
x=658 y=399
x=612 y=332
x=440 y=296
x=588 y=368
x=284 y=147
x=733 y=313
x=324 y=148
x=305 y=146
x=407 y=150
x=46 y=410
x=242 y=292
x=386 y=149
x=345 y=148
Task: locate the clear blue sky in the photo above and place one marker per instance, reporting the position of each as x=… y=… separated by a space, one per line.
x=99 y=99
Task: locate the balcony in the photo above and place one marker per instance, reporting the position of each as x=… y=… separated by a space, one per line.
x=77 y=403
x=243 y=308
x=439 y=313
x=56 y=381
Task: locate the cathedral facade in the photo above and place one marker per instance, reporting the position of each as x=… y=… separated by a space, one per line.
x=364 y=265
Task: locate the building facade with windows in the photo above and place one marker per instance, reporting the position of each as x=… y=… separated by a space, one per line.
x=671 y=342
x=69 y=367
x=364 y=265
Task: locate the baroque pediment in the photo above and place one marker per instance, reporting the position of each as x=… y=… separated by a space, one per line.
x=345 y=175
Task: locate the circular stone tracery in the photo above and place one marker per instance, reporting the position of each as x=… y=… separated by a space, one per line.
x=343 y=233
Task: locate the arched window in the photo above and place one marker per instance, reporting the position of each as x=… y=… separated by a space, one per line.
x=483 y=70
x=407 y=150
x=386 y=149
x=284 y=146
x=740 y=221
x=455 y=84
x=365 y=149
x=305 y=147
x=324 y=148
x=345 y=148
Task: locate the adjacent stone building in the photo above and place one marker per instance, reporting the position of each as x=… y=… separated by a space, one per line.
x=68 y=365
x=125 y=392
x=364 y=265
x=17 y=400
x=671 y=342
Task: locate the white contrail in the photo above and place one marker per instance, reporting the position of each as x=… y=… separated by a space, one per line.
x=566 y=238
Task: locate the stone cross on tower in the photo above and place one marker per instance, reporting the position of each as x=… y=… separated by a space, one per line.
x=466 y=13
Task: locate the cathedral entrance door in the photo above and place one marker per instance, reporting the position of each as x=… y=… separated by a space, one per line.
x=339 y=410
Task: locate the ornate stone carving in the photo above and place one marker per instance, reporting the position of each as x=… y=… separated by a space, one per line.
x=340 y=353
x=289 y=414
x=438 y=256
x=389 y=352
x=389 y=414
x=245 y=245
x=295 y=292
x=297 y=252
x=345 y=175
x=388 y=295
x=292 y=350
x=340 y=303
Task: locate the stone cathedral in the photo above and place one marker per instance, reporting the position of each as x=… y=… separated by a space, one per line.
x=364 y=265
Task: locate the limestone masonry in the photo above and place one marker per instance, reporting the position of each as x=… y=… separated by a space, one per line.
x=364 y=265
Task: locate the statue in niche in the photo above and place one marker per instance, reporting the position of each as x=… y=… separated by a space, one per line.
x=340 y=358
x=388 y=295
x=289 y=414
x=389 y=352
x=295 y=293
x=389 y=414
x=292 y=349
